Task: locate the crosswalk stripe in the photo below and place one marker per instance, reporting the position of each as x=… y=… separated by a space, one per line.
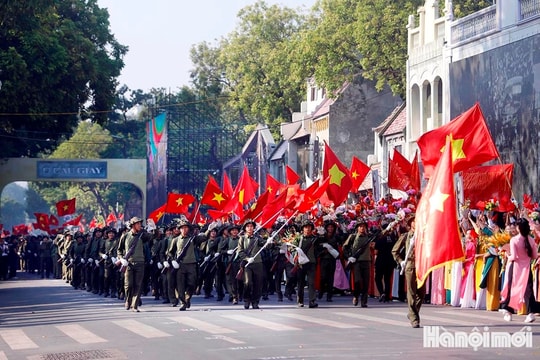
x=3 y=356
x=438 y=319
x=270 y=325
x=80 y=334
x=469 y=314
x=17 y=340
x=202 y=325
x=374 y=319
x=331 y=323
x=141 y=329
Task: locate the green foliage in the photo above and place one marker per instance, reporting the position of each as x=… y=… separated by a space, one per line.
x=58 y=60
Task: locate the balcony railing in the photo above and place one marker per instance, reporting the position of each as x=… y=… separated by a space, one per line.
x=474 y=25
x=528 y=9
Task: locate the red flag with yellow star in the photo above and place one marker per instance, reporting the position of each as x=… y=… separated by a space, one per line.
x=340 y=181
x=358 y=172
x=65 y=207
x=42 y=221
x=398 y=172
x=213 y=195
x=471 y=141
x=157 y=214
x=292 y=176
x=437 y=239
x=178 y=203
x=272 y=185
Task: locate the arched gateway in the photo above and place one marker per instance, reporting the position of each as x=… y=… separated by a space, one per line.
x=131 y=171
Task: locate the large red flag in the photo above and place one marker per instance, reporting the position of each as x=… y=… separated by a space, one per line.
x=213 y=195
x=358 y=172
x=227 y=186
x=471 y=141
x=292 y=176
x=414 y=176
x=437 y=239
x=93 y=224
x=157 y=214
x=340 y=180
x=65 y=207
x=53 y=220
x=272 y=185
x=21 y=229
x=483 y=183
x=397 y=177
x=178 y=203
x=244 y=191
x=111 y=219
x=312 y=195
x=42 y=222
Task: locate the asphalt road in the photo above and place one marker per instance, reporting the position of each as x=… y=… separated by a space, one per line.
x=47 y=319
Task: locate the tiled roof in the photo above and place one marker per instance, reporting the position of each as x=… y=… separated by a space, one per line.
x=395 y=122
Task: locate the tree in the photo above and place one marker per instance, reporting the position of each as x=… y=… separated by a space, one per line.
x=58 y=62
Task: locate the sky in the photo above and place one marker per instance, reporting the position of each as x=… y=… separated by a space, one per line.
x=160 y=33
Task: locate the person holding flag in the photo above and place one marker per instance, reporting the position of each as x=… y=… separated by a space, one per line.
x=415 y=294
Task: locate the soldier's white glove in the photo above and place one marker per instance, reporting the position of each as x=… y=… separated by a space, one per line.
x=96 y=262
x=90 y=260
x=150 y=225
x=216 y=255
x=207 y=258
x=71 y=261
x=250 y=260
x=113 y=259
x=83 y=261
x=124 y=262
x=35 y=254
x=270 y=241
x=282 y=251
x=166 y=264
x=159 y=265
x=151 y=261
x=320 y=230
x=333 y=252
x=175 y=264
x=230 y=252
x=104 y=256
x=402 y=264
x=326 y=246
x=62 y=256
x=352 y=260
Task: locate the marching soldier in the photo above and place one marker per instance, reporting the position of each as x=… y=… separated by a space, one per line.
x=208 y=269
x=327 y=259
x=229 y=251
x=77 y=260
x=108 y=254
x=131 y=257
x=168 y=276
x=184 y=254
x=308 y=243
x=249 y=246
x=65 y=251
x=357 y=250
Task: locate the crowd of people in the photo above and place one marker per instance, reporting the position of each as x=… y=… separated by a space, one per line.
x=336 y=252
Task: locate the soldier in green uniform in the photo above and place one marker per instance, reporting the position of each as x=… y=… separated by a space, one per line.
x=248 y=246
x=229 y=251
x=309 y=244
x=77 y=255
x=131 y=257
x=108 y=254
x=184 y=257
x=415 y=295
x=327 y=258
x=357 y=250
x=168 y=276
x=65 y=251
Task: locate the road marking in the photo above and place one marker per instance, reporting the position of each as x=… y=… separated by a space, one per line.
x=202 y=325
x=17 y=340
x=141 y=329
x=80 y=334
x=270 y=325
x=3 y=356
x=469 y=314
x=439 y=320
x=228 y=339
x=374 y=319
x=331 y=323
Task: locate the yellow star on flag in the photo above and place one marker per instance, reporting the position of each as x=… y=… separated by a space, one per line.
x=160 y=214
x=218 y=197
x=436 y=201
x=355 y=174
x=336 y=175
x=180 y=201
x=457 y=148
x=66 y=207
x=269 y=188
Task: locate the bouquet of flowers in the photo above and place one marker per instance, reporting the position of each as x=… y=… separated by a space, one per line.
x=491 y=205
